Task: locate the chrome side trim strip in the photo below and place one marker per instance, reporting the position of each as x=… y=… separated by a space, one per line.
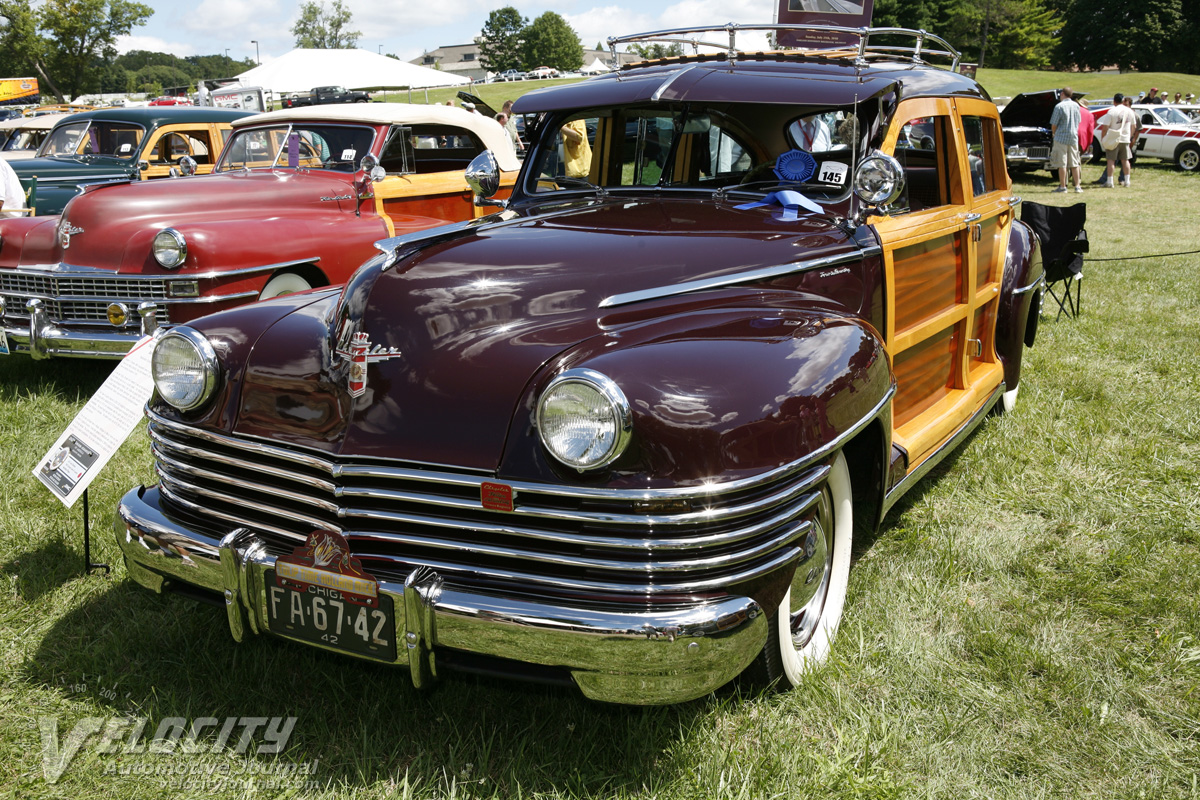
x=1035 y=285
x=761 y=274
x=67 y=271
x=936 y=457
x=574 y=492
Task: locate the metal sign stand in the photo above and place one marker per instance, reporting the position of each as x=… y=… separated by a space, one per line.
x=88 y=564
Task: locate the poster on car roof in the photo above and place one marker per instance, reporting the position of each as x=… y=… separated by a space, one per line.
x=18 y=91
x=836 y=13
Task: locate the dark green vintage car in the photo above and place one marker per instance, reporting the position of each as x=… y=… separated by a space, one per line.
x=121 y=144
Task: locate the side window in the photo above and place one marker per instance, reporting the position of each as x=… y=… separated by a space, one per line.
x=433 y=148
x=923 y=151
x=983 y=154
x=568 y=159
x=173 y=146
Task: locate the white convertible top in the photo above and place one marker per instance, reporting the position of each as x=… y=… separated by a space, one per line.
x=43 y=123
x=488 y=130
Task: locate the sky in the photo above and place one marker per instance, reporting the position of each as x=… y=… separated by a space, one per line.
x=408 y=28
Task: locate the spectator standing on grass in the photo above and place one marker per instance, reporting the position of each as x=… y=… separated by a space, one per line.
x=1087 y=127
x=1116 y=130
x=1153 y=98
x=511 y=126
x=1064 y=126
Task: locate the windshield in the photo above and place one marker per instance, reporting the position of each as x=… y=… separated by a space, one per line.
x=94 y=138
x=1172 y=116
x=24 y=140
x=693 y=146
x=298 y=146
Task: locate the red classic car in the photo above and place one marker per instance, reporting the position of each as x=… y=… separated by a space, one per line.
x=296 y=200
x=621 y=433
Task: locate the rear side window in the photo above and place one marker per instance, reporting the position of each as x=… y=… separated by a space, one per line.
x=423 y=149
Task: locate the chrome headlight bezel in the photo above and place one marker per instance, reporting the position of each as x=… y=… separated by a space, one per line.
x=878 y=180
x=618 y=411
x=207 y=374
x=172 y=251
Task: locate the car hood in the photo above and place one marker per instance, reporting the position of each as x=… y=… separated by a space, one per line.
x=1032 y=109
x=460 y=327
x=116 y=223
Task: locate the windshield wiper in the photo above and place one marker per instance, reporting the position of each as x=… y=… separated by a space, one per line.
x=582 y=183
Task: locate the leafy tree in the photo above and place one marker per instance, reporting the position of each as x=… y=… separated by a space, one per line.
x=551 y=42
x=23 y=50
x=84 y=33
x=1099 y=33
x=502 y=38
x=654 y=51
x=323 y=29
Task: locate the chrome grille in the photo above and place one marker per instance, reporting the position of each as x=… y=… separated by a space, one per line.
x=1038 y=152
x=557 y=539
x=79 y=299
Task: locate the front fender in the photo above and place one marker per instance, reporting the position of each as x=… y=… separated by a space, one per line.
x=734 y=394
x=1020 y=297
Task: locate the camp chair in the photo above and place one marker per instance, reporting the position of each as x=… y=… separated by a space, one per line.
x=1064 y=241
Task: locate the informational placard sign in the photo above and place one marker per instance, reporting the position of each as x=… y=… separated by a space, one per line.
x=840 y=13
x=100 y=428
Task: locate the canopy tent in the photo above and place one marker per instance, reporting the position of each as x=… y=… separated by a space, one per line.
x=596 y=67
x=302 y=69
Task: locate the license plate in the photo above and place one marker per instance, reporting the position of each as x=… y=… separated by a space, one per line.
x=332 y=618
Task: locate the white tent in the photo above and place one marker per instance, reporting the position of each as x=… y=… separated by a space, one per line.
x=596 y=67
x=301 y=70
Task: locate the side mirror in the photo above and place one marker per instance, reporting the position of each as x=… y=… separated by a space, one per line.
x=188 y=165
x=483 y=176
x=142 y=166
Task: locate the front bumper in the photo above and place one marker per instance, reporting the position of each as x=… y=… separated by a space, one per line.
x=41 y=338
x=634 y=657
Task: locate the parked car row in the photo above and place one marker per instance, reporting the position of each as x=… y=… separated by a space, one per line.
x=296 y=199
x=620 y=433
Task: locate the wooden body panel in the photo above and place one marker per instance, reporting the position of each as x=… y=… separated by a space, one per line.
x=943 y=266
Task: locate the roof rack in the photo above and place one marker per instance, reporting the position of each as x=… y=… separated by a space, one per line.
x=916 y=53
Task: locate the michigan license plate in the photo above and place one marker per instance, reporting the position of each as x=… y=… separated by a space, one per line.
x=332 y=618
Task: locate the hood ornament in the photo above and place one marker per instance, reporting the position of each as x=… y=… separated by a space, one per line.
x=65 y=231
x=360 y=352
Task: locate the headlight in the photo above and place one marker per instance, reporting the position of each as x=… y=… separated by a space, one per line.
x=584 y=419
x=878 y=179
x=185 y=368
x=170 y=248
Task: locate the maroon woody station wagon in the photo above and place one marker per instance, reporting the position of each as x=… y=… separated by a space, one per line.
x=620 y=433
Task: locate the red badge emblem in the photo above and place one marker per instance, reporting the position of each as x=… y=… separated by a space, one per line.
x=324 y=560
x=496 y=496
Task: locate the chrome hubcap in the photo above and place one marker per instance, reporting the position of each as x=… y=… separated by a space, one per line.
x=810 y=586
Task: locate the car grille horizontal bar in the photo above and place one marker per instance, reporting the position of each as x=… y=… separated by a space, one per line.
x=557 y=539
x=80 y=299
x=1038 y=152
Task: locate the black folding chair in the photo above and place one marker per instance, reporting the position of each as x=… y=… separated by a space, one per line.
x=1064 y=241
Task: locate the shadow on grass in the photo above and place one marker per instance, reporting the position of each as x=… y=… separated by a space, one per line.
x=364 y=723
x=67 y=379
x=41 y=571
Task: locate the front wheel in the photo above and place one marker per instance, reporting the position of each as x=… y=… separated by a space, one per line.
x=802 y=629
x=1188 y=158
x=284 y=283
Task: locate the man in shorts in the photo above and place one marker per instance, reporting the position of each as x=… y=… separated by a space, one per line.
x=1064 y=125
x=1116 y=132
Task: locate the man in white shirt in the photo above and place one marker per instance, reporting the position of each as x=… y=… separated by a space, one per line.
x=1116 y=132
x=12 y=194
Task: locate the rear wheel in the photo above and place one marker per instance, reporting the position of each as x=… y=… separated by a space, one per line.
x=1187 y=158
x=802 y=628
x=284 y=283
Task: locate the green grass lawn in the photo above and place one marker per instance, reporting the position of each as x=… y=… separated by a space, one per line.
x=1026 y=623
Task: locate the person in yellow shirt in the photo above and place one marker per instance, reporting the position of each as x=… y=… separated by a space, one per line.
x=577 y=152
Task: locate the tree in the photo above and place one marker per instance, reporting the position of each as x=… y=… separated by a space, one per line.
x=551 y=42
x=656 y=51
x=1100 y=33
x=84 y=33
x=500 y=43
x=325 y=30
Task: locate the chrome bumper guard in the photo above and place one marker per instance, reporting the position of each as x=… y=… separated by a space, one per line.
x=641 y=658
x=41 y=339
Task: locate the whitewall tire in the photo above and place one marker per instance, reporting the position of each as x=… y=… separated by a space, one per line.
x=284 y=283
